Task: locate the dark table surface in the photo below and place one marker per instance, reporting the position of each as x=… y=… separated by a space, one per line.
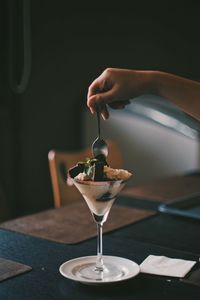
x=159 y=235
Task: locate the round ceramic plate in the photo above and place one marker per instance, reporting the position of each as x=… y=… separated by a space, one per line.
x=70 y=268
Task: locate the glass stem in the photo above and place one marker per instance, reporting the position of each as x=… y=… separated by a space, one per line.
x=99 y=260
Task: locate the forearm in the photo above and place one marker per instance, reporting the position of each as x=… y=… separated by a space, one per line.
x=114 y=86
x=183 y=92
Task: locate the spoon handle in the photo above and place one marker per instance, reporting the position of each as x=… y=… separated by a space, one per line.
x=98 y=119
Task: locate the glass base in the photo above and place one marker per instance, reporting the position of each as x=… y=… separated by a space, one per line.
x=89 y=271
x=83 y=269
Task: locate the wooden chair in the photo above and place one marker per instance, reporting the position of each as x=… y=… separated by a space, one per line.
x=60 y=162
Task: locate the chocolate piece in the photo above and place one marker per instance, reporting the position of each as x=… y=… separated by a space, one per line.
x=98 y=174
x=101 y=158
x=93 y=168
x=73 y=172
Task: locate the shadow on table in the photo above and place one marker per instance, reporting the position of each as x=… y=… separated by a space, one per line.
x=112 y=290
x=142 y=286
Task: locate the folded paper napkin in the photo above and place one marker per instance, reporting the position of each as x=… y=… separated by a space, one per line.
x=165 y=266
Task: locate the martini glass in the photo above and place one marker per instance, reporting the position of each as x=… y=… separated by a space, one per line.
x=99 y=196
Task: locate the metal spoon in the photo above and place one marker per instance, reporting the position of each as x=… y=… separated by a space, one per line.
x=99 y=146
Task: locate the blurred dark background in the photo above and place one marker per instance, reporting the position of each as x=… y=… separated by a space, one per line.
x=49 y=55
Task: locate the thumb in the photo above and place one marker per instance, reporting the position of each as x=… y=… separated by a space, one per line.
x=100 y=98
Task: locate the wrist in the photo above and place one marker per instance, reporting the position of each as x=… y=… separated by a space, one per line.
x=156 y=81
x=150 y=82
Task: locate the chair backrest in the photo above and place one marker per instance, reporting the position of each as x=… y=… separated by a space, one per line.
x=60 y=162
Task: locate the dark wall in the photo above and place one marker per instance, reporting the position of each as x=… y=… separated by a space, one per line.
x=69 y=48
x=7 y=126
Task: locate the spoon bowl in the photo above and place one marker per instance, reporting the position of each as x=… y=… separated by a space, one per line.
x=99 y=146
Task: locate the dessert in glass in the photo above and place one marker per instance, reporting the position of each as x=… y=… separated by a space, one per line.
x=99 y=184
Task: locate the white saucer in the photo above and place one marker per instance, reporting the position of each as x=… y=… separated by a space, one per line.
x=70 y=268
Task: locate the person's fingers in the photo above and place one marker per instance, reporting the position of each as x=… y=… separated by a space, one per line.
x=98 y=100
x=104 y=112
x=91 y=103
x=104 y=98
x=94 y=88
x=101 y=98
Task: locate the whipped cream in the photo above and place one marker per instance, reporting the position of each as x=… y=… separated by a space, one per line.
x=116 y=174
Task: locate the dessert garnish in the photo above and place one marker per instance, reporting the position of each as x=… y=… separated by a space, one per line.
x=97 y=169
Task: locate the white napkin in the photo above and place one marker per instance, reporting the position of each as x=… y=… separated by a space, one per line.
x=162 y=265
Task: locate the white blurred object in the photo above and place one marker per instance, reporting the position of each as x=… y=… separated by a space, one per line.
x=154 y=142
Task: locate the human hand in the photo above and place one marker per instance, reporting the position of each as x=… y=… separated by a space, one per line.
x=114 y=88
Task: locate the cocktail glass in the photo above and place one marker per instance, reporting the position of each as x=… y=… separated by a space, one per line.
x=99 y=196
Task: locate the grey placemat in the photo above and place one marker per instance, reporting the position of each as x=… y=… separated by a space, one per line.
x=73 y=223
x=165 y=189
x=10 y=268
